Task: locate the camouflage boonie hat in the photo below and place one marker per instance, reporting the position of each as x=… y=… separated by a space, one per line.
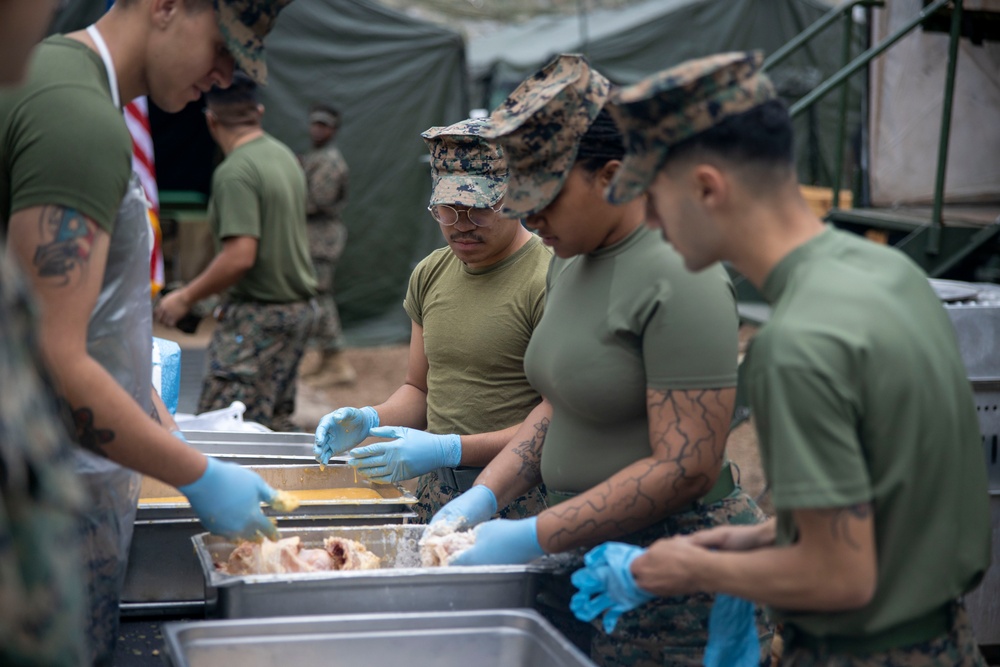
x=676 y=104
x=466 y=168
x=540 y=126
x=244 y=24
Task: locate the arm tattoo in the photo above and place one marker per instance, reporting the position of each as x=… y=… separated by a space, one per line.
x=530 y=452
x=691 y=437
x=88 y=435
x=155 y=414
x=68 y=242
x=840 y=522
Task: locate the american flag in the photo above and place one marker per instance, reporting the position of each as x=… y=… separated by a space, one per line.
x=137 y=119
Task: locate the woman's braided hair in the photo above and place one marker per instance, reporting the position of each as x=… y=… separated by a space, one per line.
x=602 y=142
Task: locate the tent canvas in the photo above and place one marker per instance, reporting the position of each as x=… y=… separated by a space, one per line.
x=627 y=44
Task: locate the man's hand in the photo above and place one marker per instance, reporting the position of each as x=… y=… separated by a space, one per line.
x=227 y=500
x=342 y=430
x=412 y=454
x=172 y=307
x=606 y=584
x=668 y=567
x=503 y=542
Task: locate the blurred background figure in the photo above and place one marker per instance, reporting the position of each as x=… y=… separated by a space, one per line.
x=324 y=364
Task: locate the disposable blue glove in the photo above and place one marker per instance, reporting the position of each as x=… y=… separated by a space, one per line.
x=503 y=542
x=342 y=430
x=606 y=584
x=732 y=634
x=469 y=509
x=227 y=500
x=414 y=453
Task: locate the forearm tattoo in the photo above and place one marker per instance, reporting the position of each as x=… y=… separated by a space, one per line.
x=155 y=414
x=88 y=435
x=530 y=453
x=68 y=242
x=691 y=438
x=841 y=520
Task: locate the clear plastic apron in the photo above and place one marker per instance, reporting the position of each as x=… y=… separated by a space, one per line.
x=119 y=338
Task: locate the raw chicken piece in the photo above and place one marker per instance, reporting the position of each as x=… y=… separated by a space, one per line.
x=350 y=555
x=287 y=556
x=441 y=544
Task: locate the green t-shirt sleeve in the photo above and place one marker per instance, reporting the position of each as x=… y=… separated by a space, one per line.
x=81 y=161
x=807 y=424
x=237 y=206
x=691 y=336
x=414 y=300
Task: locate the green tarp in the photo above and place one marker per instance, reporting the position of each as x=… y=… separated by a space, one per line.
x=630 y=43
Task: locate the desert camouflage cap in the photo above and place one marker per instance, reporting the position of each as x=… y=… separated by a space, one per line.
x=244 y=24
x=678 y=103
x=466 y=168
x=540 y=126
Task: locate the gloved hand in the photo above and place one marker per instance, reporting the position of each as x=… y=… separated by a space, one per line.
x=227 y=500
x=469 y=509
x=413 y=454
x=732 y=634
x=606 y=584
x=341 y=430
x=503 y=542
x=179 y=435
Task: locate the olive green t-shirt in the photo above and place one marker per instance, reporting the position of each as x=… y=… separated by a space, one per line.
x=860 y=395
x=477 y=324
x=259 y=190
x=62 y=141
x=617 y=321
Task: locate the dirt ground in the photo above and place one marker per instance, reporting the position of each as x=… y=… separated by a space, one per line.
x=382 y=369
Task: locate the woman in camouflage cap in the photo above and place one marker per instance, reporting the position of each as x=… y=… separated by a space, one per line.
x=636 y=358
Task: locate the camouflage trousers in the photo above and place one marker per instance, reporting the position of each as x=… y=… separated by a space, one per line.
x=42 y=591
x=666 y=631
x=254 y=358
x=956 y=649
x=105 y=534
x=433 y=493
x=331 y=237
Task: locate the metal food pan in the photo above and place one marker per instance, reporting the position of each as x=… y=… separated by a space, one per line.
x=393 y=498
x=400 y=586
x=495 y=638
x=256 y=448
x=164 y=574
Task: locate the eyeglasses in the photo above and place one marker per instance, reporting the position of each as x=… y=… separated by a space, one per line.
x=448 y=216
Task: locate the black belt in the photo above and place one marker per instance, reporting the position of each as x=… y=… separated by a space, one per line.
x=921 y=629
x=459 y=478
x=724 y=485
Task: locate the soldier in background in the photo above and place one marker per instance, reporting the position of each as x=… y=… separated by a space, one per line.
x=326 y=175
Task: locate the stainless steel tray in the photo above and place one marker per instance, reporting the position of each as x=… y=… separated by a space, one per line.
x=256 y=448
x=163 y=571
x=495 y=638
x=401 y=586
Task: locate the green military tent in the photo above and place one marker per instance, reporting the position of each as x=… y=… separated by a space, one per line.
x=626 y=44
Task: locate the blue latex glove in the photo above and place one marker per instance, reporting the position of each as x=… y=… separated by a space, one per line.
x=342 y=430
x=469 y=509
x=732 y=634
x=227 y=500
x=503 y=542
x=606 y=584
x=178 y=434
x=414 y=453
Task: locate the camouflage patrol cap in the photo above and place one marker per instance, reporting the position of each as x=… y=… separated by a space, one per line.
x=676 y=104
x=466 y=168
x=244 y=24
x=540 y=126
